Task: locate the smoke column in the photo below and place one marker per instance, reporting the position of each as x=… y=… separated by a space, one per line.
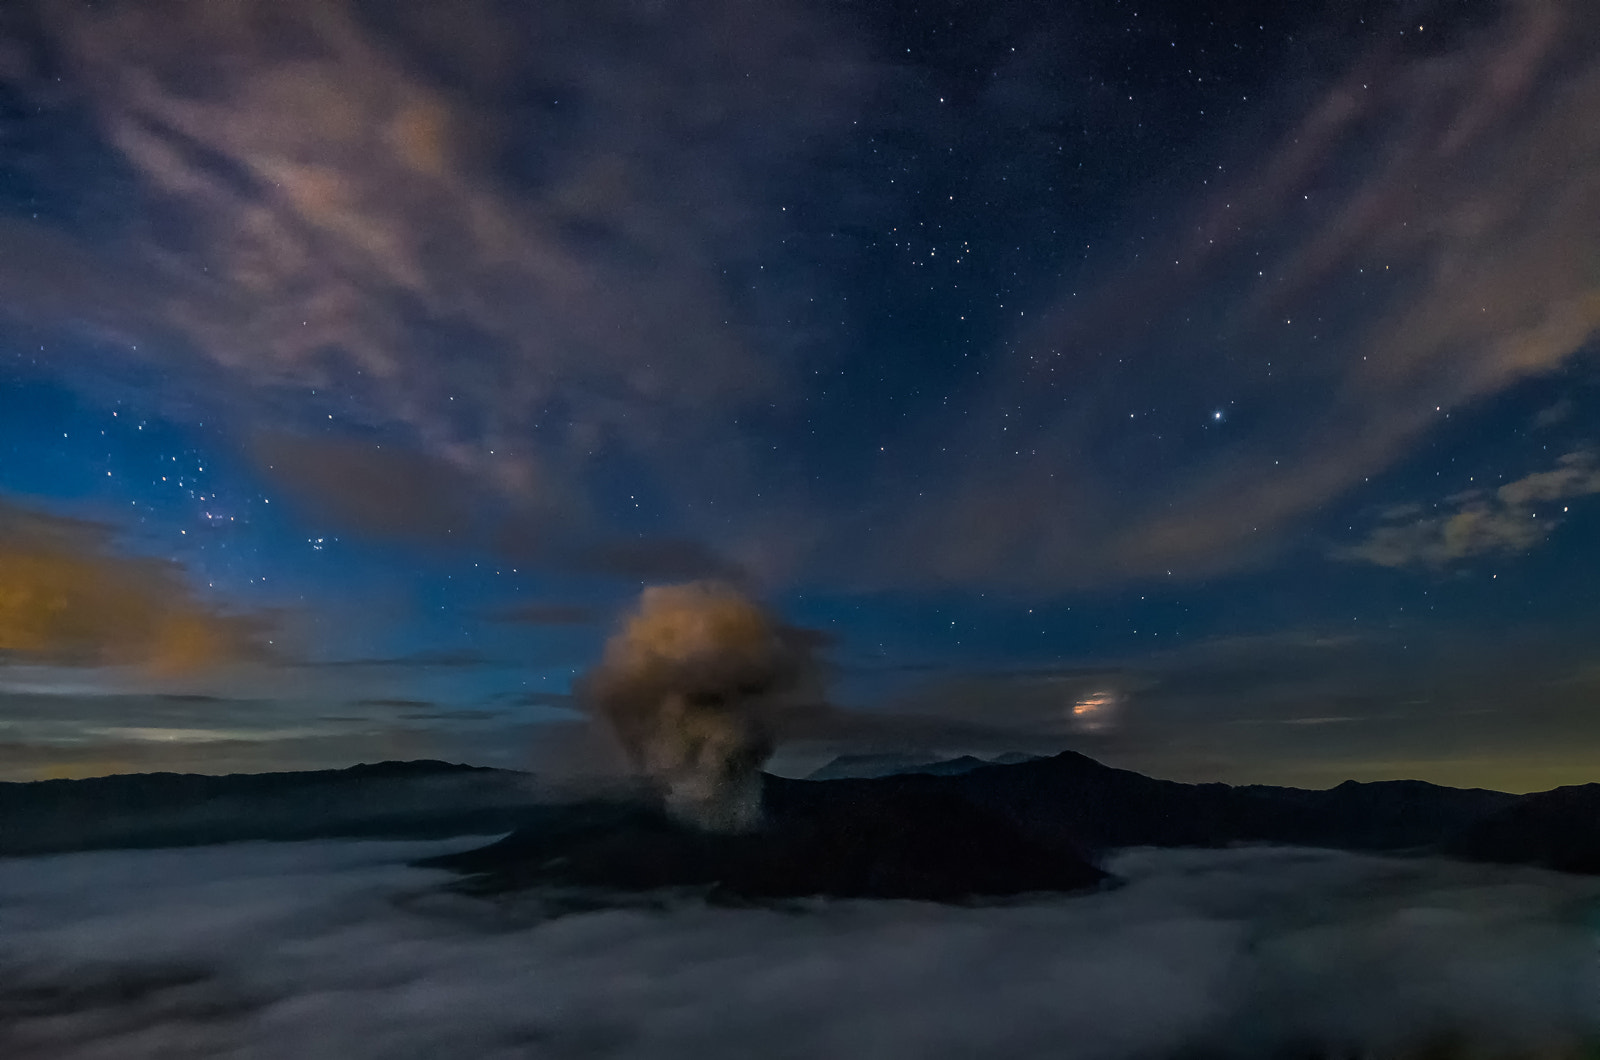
x=687 y=683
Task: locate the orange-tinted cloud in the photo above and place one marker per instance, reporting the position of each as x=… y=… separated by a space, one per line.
x=66 y=597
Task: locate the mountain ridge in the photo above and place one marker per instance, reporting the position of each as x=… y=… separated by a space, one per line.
x=1067 y=810
x=1064 y=812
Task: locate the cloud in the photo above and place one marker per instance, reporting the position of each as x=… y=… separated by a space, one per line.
x=279 y=724
x=67 y=596
x=1576 y=475
x=1477 y=528
x=395 y=493
x=517 y=247
x=1478 y=523
x=1509 y=707
x=1554 y=414
x=369 y=490
x=1506 y=707
x=1419 y=238
x=258 y=737
x=1026 y=708
x=336 y=950
x=502 y=234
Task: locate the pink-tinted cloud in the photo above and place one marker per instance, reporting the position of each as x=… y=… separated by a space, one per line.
x=503 y=237
x=68 y=596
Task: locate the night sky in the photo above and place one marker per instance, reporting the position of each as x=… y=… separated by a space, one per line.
x=1211 y=388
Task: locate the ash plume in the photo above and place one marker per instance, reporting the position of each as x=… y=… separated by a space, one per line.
x=689 y=684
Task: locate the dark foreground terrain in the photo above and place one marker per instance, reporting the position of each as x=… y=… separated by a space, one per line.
x=911 y=842
x=994 y=830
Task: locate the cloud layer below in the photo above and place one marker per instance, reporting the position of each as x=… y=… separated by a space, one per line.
x=526 y=249
x=336 y=950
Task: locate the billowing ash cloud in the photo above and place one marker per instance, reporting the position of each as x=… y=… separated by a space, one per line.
x=688 y=683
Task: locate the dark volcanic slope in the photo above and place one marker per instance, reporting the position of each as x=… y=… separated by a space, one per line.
x=392 y=799
x=818 y=840
x=995 y=830
x=1008 y=829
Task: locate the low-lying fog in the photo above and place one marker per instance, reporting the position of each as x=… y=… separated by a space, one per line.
x=339 y=950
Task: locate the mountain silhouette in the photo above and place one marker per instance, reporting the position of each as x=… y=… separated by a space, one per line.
x=816 y=840
x=968 y=831
x=411 y=800
x=856 y=767
x=1557 y=829
x=978 y=832
x=1073 y=798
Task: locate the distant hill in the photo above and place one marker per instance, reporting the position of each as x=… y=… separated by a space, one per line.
x=1074 y=798
x=856 y=767
x=391 y=799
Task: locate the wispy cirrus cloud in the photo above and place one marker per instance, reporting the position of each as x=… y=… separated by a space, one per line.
x=1478 y=522
x=520 y=247
x=506 y=239
x=1419 y=239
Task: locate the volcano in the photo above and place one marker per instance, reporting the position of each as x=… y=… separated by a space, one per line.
x=815 y=840
x=977 y=833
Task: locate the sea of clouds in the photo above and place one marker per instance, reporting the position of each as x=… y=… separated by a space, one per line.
x=339 y=950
